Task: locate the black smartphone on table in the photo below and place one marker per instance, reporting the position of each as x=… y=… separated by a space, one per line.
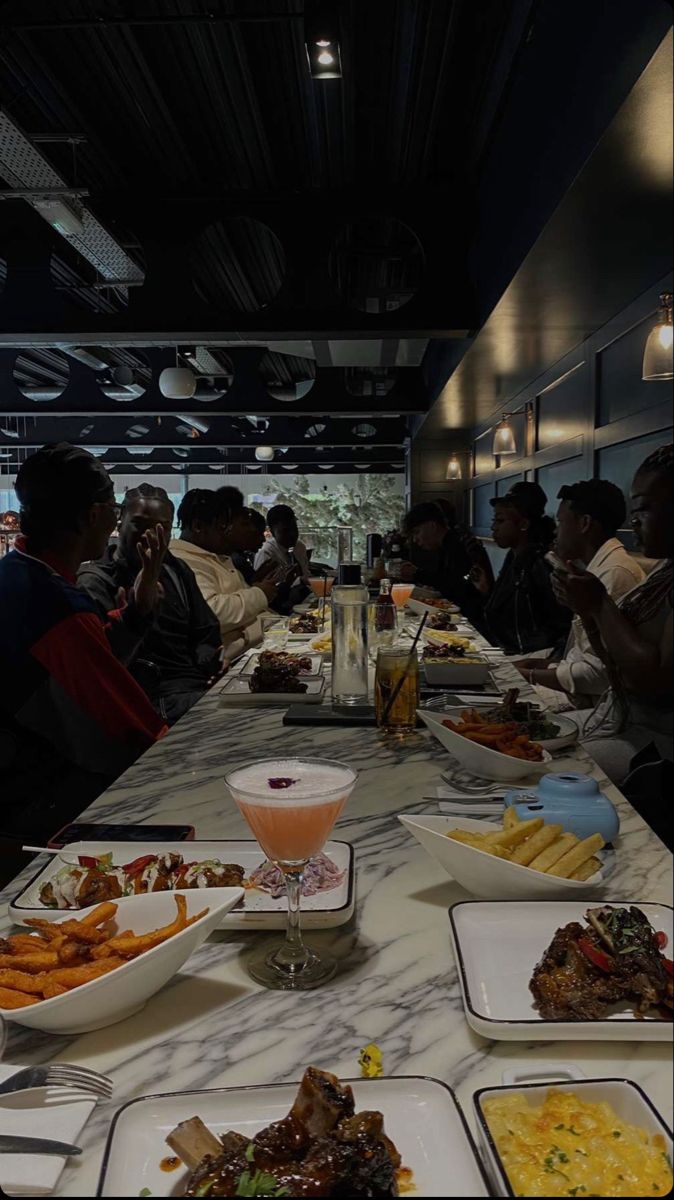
x=81 y=831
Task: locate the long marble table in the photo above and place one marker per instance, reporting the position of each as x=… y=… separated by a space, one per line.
x=397 y=985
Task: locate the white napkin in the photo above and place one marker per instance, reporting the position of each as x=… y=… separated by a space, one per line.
x=56 y=1113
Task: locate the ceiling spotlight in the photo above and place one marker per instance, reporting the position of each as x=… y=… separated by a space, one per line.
x=179 y=452
x=141 y=451
x=177 y=383
x=289 y=466
x=659 y=350
x=326 y=466
x=314 y=430
x=13 y=433
x=143 y=466
x=364 y=430
x=137 y=431
x=264 y=453
x=321 y=38
x=504 y=438
x=453 y=468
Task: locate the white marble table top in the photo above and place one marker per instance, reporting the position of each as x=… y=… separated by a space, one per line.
x=212 y=1027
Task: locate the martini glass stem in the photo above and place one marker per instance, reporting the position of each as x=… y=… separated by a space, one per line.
x=293 y=953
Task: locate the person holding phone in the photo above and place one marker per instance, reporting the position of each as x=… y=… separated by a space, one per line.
x=589 y=516
x=179 y=653
x=72 y=718
x=635 y=636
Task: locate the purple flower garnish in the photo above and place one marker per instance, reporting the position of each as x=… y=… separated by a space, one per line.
x=281 y=782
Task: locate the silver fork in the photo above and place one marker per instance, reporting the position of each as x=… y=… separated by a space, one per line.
x=58 y=1075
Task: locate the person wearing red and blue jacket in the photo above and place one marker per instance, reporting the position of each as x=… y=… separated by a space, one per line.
x=72 y=718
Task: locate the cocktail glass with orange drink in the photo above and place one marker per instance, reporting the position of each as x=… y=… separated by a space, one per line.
x=401 y=593
x=291 y=806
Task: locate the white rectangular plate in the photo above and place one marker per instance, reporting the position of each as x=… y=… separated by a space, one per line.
x=316 y=664
x=496 y=947
x=58 y=1114
x=236 y=691
x=421 y=1116
x=326 y=910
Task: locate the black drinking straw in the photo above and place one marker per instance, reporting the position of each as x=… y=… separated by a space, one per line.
x=325 y=592
x=396 y=691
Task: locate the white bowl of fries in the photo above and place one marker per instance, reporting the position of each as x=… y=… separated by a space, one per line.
x=512 y=861
x=482 y=761
x=73 y=976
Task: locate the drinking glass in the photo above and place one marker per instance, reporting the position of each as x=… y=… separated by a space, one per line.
x=291 y=806
x=397 y=674
x=276 y=635
x=376 y=635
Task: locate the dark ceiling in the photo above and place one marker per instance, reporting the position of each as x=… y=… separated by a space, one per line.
x=298 y=241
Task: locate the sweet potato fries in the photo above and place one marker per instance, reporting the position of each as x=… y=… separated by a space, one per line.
x=508 y=737
x=62 y=955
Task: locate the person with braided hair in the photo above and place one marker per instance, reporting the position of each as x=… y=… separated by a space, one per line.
x=178 y=652
x=208 y=521
x=635 y=636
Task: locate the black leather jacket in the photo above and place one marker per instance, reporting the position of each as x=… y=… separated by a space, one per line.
x=520 y=612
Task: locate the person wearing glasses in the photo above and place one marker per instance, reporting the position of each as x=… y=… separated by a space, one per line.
x=71 y=716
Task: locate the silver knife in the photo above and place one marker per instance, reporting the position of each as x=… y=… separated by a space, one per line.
x=9 y=1144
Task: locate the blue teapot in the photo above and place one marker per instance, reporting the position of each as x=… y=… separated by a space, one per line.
x=570 y=800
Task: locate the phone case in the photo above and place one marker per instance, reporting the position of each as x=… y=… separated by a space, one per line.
x=57 y=840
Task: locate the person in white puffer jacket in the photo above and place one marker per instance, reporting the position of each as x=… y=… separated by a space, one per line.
x=206 y=518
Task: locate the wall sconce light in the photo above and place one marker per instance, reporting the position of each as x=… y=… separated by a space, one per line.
x=659 y=351
x=453 y=468
x=504 y=438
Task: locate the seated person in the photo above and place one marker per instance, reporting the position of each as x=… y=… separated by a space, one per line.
x=244 y=560
x=588 y=518
x=181 y=649
x=205 y=518
x=520 y=612
x=72 y=717
x=452 y=552
x=635 y=636
x=285 y=550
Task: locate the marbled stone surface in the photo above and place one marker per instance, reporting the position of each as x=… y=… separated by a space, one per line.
x=211 y=1026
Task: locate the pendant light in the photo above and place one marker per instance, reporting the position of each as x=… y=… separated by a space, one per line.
x=659 y=352
x=504 y=438
x=453 y=468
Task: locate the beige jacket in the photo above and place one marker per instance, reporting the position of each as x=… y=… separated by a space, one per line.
x=236 y=605
x=581 y=674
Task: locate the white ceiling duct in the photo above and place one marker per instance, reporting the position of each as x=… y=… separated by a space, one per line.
x=198 y=423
